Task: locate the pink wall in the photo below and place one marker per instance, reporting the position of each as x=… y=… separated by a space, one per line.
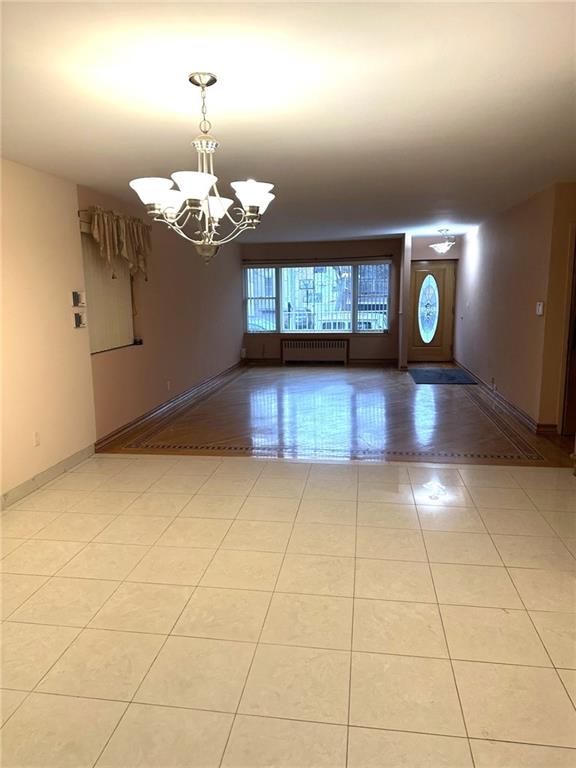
x=515 y=259
x=190 y=319
x=363 y=347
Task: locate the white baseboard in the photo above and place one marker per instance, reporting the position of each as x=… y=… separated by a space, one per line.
x=17 y=493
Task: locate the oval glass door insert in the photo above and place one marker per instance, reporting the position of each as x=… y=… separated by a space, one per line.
x=428 y=309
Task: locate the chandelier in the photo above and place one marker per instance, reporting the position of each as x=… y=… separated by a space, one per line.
x=446 y=243
x=194 y=209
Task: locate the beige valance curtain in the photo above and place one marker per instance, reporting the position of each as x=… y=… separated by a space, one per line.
x=121 y=237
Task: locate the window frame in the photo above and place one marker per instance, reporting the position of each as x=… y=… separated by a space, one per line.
x=355 y=268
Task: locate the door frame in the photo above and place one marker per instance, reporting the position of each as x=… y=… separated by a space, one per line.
x=413 y=300
x=570 y=348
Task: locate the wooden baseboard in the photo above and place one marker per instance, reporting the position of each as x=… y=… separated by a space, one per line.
x=170 y=407
x=534 y=426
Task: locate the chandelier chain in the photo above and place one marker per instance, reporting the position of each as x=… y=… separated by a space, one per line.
x=205 y=124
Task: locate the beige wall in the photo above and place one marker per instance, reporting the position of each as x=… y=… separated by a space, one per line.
x=189 y=317
x=363 y=347
x=515 y=259
x=46 y=372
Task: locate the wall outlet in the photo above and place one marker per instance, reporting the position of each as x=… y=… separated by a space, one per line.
x=36 y=439
x=168 y=385
x=493 y=384
x=80 y=320
x=243 y=353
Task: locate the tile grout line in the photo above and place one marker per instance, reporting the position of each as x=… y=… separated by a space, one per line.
x=352 y=625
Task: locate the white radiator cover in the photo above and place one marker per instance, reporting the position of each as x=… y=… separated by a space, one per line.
x=315 y=351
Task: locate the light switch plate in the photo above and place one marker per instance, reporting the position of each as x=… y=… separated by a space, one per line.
x=539 y=308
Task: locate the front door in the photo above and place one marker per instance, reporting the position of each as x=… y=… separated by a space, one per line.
x=432 y=311
x=569 y=416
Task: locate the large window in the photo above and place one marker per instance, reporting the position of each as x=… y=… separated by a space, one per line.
x=329 y=298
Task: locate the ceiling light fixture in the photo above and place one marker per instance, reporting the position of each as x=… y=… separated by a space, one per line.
x=444 y=246
x=195 y=209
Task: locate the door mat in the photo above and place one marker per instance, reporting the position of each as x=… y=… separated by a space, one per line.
x=441 y=376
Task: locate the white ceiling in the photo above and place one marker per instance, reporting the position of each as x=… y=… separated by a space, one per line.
x=369 y=118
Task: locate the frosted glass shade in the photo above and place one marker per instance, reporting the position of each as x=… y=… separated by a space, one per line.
x=252 y=193
x=171 y=202
x=152 y=189
x=194 y=185
x=266 y=200
x=216 y=206
x=442 y=247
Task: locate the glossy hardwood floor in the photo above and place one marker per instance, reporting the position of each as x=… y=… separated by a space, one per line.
x=344 y=413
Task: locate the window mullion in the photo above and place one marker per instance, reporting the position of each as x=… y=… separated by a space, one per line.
x=278 y=292
x=355 y=273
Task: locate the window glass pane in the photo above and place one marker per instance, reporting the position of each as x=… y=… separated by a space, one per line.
x=261 y=299
x=373 y=282
x=316 y=299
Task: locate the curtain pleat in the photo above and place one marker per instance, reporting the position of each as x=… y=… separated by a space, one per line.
x=121 y=237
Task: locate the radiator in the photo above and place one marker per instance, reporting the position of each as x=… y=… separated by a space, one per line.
x=315 y=351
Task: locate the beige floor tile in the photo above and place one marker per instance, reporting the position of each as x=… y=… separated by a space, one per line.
x=172 y=565
x=75 y=481
x=479 y=585
x=493 y=634
x=387 y=515
x=104 y=561
x=390 y=544
x=499 y=754
x=317 y=574
x=464 y=548
x=158 y=504
x=102 y=664
x=571 y=545
x=264 y=742
x=51 y=501
x=225 y=507
x=134 y=530
x=323 y=539
x=331 y=488
x=226 y=486
x=558 y=633
x=104 y=465
x=545 y=590
x=187 y=484
x=29 y=650
x=72 y=526
x=404 y=693
x=9 y=545
x=456 y=519
x=568 y=677
x=298 y=683
x=193 y=672
x=311 y=620
x=198 y=464
x=106 y=502
x=501 y=498
x=562 y=523
x=278 y=487
x=545 y=478
x=535 y=552
x=65 y=602
x=224 y=614
x=553 y=501
x=505 y=702
x=410 y=629
x=15 y=589
x=390 y=493
x=58 y=732
x=243 y=570
x=515 y=522
x=40 y=558
x=293 y=471
x=142 y=608
x=22 y=524
x=137 y=482
x=150 y=737
x=269 y=510
x=394 y=580
x=422 y=475
x=257 y=535
x=406 y=750
x=383 y=474
x=449 y=496
x=336 y=512
x=9 y=703
x=194 y=532
x=488 y=478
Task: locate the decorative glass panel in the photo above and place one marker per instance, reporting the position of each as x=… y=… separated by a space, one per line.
x=428 y=309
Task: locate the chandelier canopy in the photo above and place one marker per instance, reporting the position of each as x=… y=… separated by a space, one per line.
x=446 y=243
x=194 y=209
